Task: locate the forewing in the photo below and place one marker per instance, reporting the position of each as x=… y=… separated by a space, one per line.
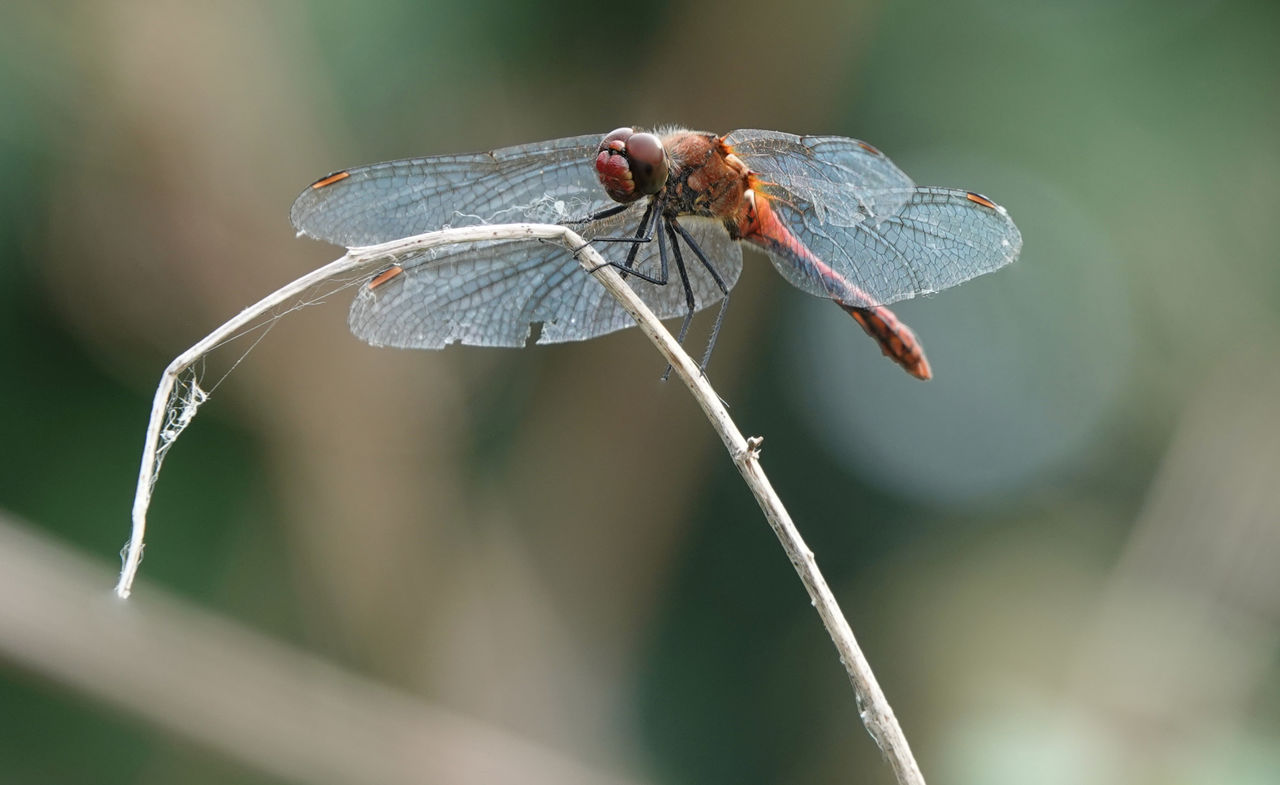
x=544 y=182
x=863 y=217
x=491 y=294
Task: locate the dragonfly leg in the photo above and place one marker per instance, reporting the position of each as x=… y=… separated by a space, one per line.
x=644 y=234
x=715 y=275
x=690 y=302
x=596 y=216
x=641 y=235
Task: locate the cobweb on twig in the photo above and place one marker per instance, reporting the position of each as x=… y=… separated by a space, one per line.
x=182 y=389
x=189 y=392
x=186 y=398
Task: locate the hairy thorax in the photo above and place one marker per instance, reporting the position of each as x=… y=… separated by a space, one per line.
x=706 y=177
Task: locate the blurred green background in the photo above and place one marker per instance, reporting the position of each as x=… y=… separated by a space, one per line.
x=1061 y=555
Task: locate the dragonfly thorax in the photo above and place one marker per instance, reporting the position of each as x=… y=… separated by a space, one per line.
x=706 y=177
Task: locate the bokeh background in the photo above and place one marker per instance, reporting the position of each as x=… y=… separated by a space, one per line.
x=367 y=565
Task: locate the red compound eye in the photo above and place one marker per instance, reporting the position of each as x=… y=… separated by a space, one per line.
x=630 y=165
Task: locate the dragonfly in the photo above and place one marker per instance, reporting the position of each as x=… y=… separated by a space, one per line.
x=835 y=216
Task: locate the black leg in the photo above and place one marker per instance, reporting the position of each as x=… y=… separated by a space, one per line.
x=663 y=267
x=644 y=234
x=693 y=245
x=690 y=302
x=647 y=225
x=715 y=275
x=596 y=216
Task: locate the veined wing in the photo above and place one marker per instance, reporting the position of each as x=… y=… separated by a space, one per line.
x=845 y=181
x=861 y=215
x=491 y=293
x=543 y=182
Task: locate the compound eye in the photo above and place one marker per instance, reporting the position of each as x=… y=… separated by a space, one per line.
x=630 y=165
x=616 y=135
x=648 y=162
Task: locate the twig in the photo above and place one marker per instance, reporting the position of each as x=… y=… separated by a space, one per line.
x=875 y=711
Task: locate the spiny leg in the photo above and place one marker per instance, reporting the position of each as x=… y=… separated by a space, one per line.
x=644 y=234
x=690 y=302
x=715 y=275
x=598 y=215
x=648 y=224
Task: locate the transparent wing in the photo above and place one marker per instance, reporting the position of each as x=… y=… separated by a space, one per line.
x=490 y=294
x=861 y=215
x=845 y=181
x=544 y=182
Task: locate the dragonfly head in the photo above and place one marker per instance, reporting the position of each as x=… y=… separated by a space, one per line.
x=631 y=165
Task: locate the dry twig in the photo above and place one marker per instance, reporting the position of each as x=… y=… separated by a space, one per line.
x=172 y=412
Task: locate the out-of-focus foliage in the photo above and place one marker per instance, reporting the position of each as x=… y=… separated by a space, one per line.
x=1060 y=555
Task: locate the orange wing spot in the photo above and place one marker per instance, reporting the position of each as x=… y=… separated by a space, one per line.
x=330 y=180
x=870 y=149
x=980 y=199
x=385 y=275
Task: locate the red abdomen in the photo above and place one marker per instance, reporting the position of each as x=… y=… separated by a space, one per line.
x=759 y=224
